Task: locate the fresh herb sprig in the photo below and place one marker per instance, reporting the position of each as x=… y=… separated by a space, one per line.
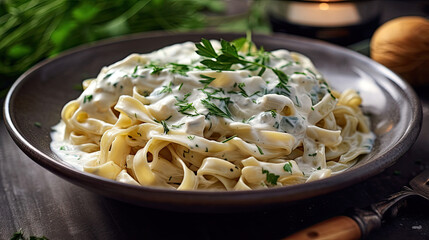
x=229 y=56
x=215 y=110
x=164 y=124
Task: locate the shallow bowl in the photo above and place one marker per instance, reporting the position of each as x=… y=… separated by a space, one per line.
x=34 y=103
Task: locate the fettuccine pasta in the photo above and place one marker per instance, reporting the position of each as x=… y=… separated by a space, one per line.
x=206 y=116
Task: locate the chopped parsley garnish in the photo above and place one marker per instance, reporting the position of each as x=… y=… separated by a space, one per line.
x=260 y=150
x=181 y=69
x=207 y=80
x=298 y=104
x=288 y=167
x=312 y=154
x=228 y=139
x=301 y=73
x=273 y=113
x=178 y=125
x=332 y=95
x=180 y=87
x=107 y=76
x=155 y=69
x=87 y=98
x=215 y=110
x=134 y=74
x=62 y=148
x=164 y=124
x=282 y=78
x=185 y=106
x=248 y=120
x=166 y=89
x=38 y=124
x=319 y=168
x=191 y=137
x=242 y=91
x=271 y=177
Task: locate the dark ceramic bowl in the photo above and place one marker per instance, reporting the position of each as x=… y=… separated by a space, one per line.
x=39 y=95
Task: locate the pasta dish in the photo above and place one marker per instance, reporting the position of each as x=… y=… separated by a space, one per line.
x=215 y=115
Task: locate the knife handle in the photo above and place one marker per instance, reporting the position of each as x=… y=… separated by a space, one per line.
x=336 y=228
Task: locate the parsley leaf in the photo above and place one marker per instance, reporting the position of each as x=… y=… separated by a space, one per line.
x=271 y=177
x=206 y=49
x=288 y=167
x=87 y=98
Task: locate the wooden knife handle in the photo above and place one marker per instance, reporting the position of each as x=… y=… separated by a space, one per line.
x=336 y=228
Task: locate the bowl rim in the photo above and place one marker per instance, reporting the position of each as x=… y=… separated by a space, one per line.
x=216 y=200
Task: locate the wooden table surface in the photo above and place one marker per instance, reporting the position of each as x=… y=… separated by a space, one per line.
x=40 y=203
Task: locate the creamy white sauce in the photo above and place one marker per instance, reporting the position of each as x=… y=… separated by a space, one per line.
x=254 y=102
x=69 y=153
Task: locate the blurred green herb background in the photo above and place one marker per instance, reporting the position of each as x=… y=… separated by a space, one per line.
x=32 y=30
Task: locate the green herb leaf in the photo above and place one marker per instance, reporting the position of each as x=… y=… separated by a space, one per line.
x=215 y=110
x=242 y=91
x=181 y=69
x=206 y=49
x=288 y=167
x=178 y=125
x=273 y=113
x=165 y=126
x=215 y=65
x=207 y=80
x=260 y=150
x=134 y=74
x=271 y=177
x=166 y=89
x=107 y=76
x=228 y=139
x=239 y=43
x=191 y=137
x=87 y=98
x=282 y=76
